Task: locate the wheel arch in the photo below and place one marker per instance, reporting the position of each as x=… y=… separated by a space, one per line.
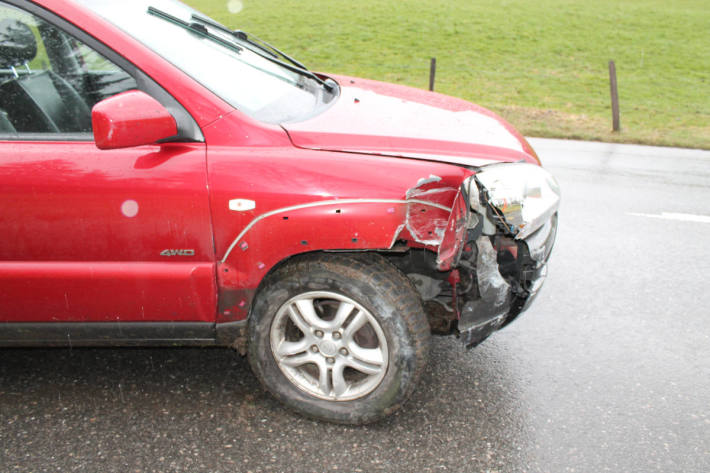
x=345 y=226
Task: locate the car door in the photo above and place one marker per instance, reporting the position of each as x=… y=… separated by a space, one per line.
x=89 y=235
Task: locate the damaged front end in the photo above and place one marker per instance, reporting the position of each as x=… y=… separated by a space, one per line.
x=492 y=258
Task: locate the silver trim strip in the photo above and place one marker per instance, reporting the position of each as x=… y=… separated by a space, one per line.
x=325 y=203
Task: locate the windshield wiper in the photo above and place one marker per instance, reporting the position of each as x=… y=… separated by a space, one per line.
x=249 y=38
x=267 y=51
x=194 y=27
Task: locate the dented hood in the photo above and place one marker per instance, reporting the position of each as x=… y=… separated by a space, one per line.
x=392 y=120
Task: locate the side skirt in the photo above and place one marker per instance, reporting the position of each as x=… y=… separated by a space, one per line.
x=81 y=334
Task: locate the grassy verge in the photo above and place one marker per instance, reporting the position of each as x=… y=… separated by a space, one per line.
x=541 y=64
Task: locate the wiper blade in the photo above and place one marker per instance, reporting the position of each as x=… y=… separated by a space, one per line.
x=271 y=54
x=261 y=44
x=251 y=39
x=194 y=27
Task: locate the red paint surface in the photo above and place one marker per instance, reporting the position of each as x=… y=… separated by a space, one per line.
x=452 y=241
x=106 y=292
x=132 y=118
x=410 y=122
x=66 y=218
x=83 y=229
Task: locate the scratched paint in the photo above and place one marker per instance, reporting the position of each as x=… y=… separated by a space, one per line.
x=242 y=244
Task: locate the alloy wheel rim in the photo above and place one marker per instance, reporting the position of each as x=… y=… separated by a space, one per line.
x=329 y=346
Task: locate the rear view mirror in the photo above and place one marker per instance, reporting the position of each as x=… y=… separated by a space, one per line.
x=129 y=119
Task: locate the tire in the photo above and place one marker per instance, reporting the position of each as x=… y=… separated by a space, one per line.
x=339 y=338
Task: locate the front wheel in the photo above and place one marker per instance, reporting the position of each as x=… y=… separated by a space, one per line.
x=339 y=338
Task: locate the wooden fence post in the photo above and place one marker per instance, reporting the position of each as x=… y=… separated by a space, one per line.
x=616 y=126
x=432 y=73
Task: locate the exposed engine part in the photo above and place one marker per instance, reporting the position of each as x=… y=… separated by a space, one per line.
x=427 y=287
x=433 y=287
x=442 y=318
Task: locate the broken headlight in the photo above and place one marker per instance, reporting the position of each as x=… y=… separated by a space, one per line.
x=523 y=196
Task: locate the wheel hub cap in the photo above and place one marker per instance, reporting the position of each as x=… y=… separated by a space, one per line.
x=328 y=348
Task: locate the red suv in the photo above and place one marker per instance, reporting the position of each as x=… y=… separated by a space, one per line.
x=165 y=180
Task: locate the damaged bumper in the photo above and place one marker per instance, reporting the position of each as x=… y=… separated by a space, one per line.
x=500 y=263
x=505 y=281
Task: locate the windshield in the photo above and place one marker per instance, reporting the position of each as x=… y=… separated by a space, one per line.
x=241 y=75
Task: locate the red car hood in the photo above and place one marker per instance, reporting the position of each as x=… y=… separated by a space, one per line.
x=393 y=120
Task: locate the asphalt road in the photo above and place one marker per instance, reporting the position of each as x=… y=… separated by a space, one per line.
x=608 y=371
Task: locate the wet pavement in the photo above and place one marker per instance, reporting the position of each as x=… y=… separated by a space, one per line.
x=608 y=371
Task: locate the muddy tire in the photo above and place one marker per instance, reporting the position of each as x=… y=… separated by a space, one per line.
x=339 y=338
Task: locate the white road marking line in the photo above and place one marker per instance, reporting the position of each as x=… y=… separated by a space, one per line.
x=675 y=216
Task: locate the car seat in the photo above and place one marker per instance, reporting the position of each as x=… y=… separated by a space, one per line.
x=36 y=102
x=6 y=127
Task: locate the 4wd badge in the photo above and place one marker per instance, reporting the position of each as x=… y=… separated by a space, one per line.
x=177 y=253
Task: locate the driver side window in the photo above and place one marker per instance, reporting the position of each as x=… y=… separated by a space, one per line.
x=49 y=80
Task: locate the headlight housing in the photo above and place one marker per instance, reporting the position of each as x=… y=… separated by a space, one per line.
x=523 y=196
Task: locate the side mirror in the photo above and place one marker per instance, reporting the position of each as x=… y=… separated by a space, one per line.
x=129 y=119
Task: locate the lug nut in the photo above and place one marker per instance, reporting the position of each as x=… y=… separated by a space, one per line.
x=344 y=351
x=336 y=335
x=330 y=360
x=314 y=349
x=319 y=334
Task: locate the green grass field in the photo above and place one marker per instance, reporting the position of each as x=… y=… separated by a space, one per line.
x=541 y=64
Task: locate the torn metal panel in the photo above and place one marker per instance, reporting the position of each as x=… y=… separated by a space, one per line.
x=454 y=235
x=509 y=274
x=494 y=291
x=396 y=234
x=484 y=273
x=423 y=228
x=426 y=225
x=426 y=189
x=426 y=180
